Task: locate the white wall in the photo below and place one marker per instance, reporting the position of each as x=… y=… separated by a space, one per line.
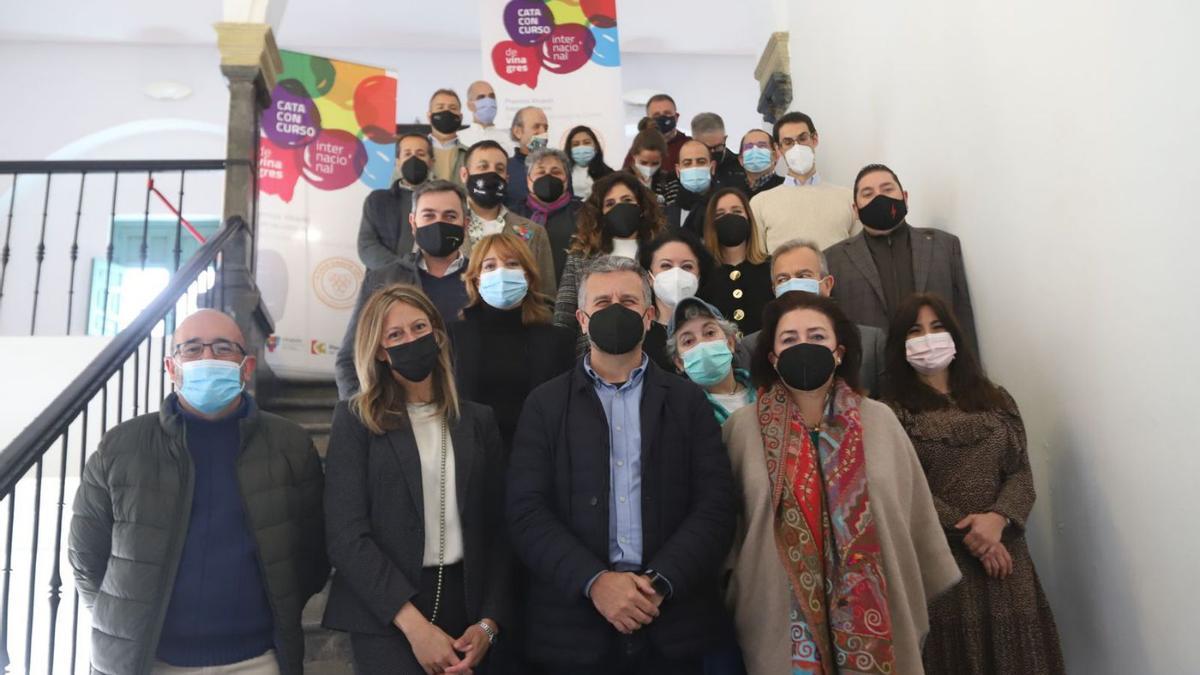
x=1059 y=141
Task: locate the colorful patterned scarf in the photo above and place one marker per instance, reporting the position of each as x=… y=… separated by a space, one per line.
x=826 y=537
x=540 y=211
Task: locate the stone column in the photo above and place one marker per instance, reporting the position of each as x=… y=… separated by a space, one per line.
x=250 y=62
x=774 y=75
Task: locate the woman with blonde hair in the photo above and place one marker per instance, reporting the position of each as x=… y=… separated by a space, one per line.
x=740 y=286
x=414 y=501
x=504 y=346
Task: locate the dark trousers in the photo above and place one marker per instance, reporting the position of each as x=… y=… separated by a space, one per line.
x=633 y=655
x=392 y=654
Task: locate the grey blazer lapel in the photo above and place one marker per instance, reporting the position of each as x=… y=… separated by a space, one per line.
x=464 y=455
x=404 y=444
x=860 y=255
x=922 y=251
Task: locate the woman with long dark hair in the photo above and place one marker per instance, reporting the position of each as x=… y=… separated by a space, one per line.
x=587 y=160
x=838 y=549
x=970 y=439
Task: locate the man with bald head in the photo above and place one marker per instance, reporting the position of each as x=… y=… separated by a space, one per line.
x=695 y=169
x=481 y=101
x=198 y=531
x=530 y=132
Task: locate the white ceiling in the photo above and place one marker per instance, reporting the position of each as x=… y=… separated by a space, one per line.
x=647 y=26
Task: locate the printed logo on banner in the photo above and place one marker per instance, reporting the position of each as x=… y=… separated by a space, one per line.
x=559 y=36
x=336 y=281
x=330 y=123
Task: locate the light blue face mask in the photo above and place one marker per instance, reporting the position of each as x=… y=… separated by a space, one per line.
x=707 y=363
x=695 y=179
x=503 y=288
x=485 y=110
x=209 y=384
x=583 y=154
x=796 y=284
x=756 y=159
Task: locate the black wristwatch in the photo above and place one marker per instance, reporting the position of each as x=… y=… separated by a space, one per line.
x=659 y=582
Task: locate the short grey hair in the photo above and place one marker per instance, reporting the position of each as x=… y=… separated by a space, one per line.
x=707 y=122
x=547 y=153
x=519 y=120
x=608 y=264
x=792 y=245
x=439 y=185
x=695 y=311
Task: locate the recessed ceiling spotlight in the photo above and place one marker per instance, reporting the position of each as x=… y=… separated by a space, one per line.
x=167 y=90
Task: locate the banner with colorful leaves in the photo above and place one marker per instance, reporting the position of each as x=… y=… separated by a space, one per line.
x=563 y=56
x=325 y=142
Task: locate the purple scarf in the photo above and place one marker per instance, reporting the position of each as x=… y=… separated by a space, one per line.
x=540 y=211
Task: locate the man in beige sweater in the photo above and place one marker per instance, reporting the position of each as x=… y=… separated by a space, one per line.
x=804 y=206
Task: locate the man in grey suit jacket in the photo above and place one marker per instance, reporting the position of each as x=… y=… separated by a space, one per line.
x=798 y=265
x=890 y=260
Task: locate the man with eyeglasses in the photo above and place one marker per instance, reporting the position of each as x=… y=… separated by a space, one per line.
x=758 y=157
x=198 y=530
x=804 y=206
x=709 y=129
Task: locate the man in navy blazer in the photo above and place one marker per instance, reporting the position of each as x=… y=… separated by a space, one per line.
x=620 y=499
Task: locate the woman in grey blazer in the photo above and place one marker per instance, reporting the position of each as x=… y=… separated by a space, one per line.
x=414 y=501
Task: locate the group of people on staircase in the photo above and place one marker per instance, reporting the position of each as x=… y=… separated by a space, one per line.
x=705 y=413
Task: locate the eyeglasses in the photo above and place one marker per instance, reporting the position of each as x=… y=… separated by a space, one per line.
x=765 y=145
x=221 y=349
x=789 y=141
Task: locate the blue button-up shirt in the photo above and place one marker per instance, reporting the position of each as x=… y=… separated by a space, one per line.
x=622 y=407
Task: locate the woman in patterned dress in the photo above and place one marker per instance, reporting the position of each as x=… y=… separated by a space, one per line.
x=971 y=442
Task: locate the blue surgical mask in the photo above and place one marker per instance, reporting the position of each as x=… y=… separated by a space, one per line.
x=796 y=284
x=210 y=385
x=503 y=288
x=756 y=159
x=707 y=363
x=695 y=179
x=485 y=110
x=538 y=142
x=583 y=154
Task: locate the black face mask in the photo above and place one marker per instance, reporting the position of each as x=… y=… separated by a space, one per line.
x=446 y=121
x=883 y=213
x=487 y=189
x=732 y=229
x=718 y=153
x=665 y=123
x=616 y=329
x=415 y=360
x=548 y=188
x=439 y=239
x=805 y=366
x=414 y=170
x=622 y=220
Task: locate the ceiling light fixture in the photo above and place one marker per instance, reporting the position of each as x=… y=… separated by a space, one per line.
x=167 y=90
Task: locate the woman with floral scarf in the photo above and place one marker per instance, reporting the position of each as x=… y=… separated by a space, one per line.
x=839 y=548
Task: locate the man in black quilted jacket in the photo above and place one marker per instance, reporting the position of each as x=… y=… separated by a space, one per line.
x=197 y=535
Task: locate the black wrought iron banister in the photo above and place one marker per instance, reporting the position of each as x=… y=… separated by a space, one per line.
x=24 y=451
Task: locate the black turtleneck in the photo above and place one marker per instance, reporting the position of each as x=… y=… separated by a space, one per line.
x=892 y=253
x=502 y=374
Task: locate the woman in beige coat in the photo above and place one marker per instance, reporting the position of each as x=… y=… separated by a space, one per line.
x=839 y=547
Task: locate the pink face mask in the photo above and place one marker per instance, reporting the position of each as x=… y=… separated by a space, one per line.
x=930 y=353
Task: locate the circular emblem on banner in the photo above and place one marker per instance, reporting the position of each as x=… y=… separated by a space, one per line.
x=336 y=282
